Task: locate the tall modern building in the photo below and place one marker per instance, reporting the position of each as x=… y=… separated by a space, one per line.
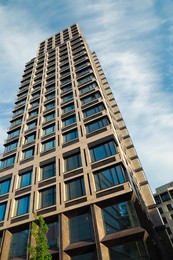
x=164 y=200
x=69 y=157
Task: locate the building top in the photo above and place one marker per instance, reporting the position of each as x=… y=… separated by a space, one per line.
x=164 y=187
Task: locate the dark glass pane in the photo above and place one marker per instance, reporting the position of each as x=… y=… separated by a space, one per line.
x=84 y=256
x=75 y=188
x=80 y=228
x=53 y=235
x=119 y=217
x=132 y=250
x=48 y=197
x=73 y=162
x=22 y=205
x=5 y=186
x=25 y=179
x=48 y=171
x=18 y=245
x=2 y=211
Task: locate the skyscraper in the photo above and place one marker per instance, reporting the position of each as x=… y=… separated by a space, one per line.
x=69 y=157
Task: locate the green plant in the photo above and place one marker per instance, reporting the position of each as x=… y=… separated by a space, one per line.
x=41 y=249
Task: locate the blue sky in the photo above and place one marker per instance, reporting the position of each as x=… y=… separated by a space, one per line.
x=134 y=42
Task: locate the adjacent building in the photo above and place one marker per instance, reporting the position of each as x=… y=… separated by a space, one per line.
x=69 y=157
x=164 y=199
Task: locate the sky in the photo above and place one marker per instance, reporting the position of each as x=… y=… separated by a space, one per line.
x=134 y=43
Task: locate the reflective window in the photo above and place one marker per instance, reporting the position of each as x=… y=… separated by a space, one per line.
x=32 y=124
x=33 y=113
x=5 y=186
x=53 y=235
x=69 y=120
x=50 y=105
x=19 y=111
x=28 y=153
x=48 y=197
x=82 y=72
x=80 y=228
x=35 y=103
x=48 y=171
x=2 y=211
x=49 y=117
x=75 y=188
x=132 y=250
x=84 y=256
x=93 y=110
x=86 y=79
x=87 y=88
x=102 y=151
x=30 y=138
x=67 y=97
x=49 y=130
x=18 y=245
x=93 y=126
x=70 y=135
x=22 y=205
x=49 y=145
x=109 y=177
x=25 y=179
x=14 y=133
x=67 y=108
x=165 y=196
x=7 y=162
x=72 y=162
x=50 y=88
x=157 y=199
x=66 y=88
x=16 y=122
x=119 y=217
x=90 y=98
x=11 y=146
x=50 y=96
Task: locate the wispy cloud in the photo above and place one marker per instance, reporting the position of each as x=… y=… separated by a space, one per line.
x=133 y=40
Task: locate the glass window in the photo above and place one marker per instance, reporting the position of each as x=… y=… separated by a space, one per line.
x=109 y=177
x=157 y=199
x=88 y=87
x=53 y=235
x=2 y=211
x=131 y=250
x=18 y=245
x=5 y=186
x=93 y=110
x=16 y=122
x=66 y=88
x=84 y=71
x=69 y=120
x=49 y=130
x=67 y=108
x=30 y=138
x=72 y=162
x=7 y=162
x=86 y=79
x=165 y=196
x=96 y=125
x=50 y=105
x=32 y=124
x=90 y=98
x=119 y=217
x=75 y=188
x=67 y=97
x=48 y=171
x=80 y=228
x=25 y=179
x=11 y=146
x=50 y=88
x=34 y=104
x=28 y=153
x=102 y=151
x=19 y=111
x=50 y=96
x=65 y=80
x=36 y=95
x=169 y=206
x=49 y=117
x=70 y=135
x=33 y=113
x=14 y=133
x=84 y=256
x=49 y=145
x=48 y=197
x=22 y=205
